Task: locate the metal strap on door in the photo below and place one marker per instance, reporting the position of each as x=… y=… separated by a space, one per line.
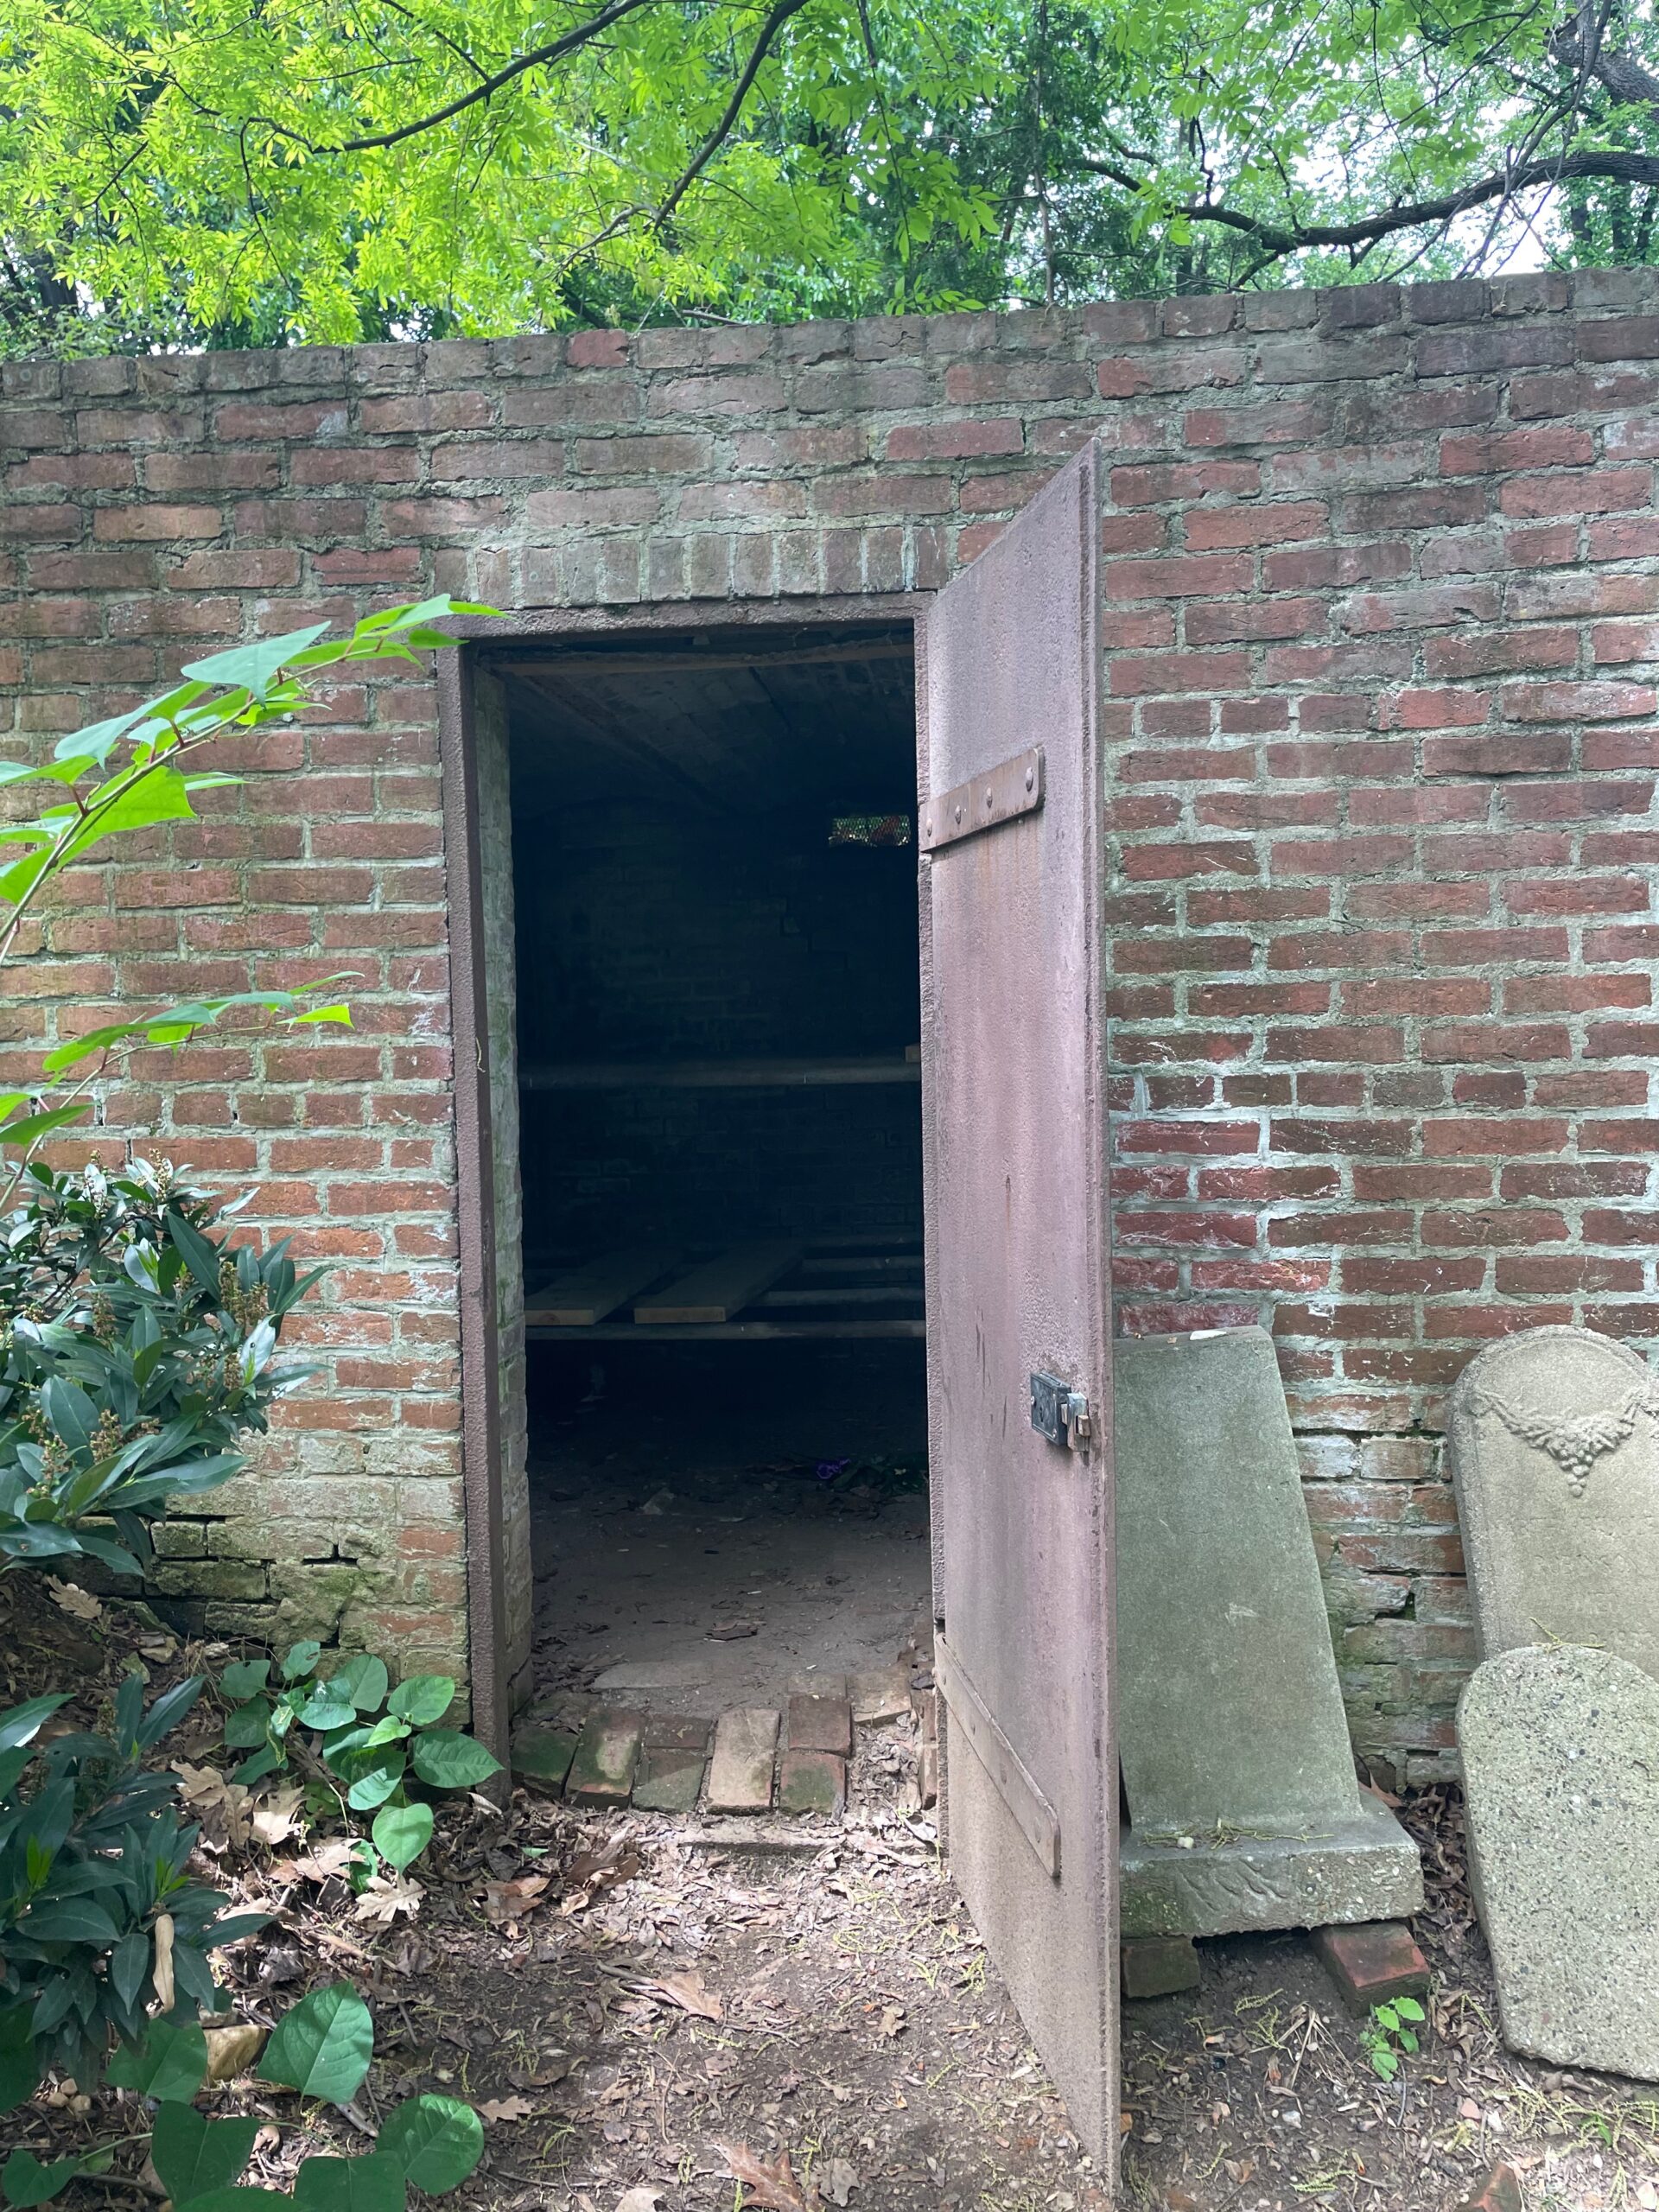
x=1001 y=794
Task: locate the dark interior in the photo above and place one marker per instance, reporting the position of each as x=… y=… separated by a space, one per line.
x=718 y=1014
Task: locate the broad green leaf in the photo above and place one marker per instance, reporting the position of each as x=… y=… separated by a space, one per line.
x=326 y=1708
x=193 y=2154
x=29 y=1128
x=69 y=1920
x=170 y=2065
x=364 y=1680
x=371 y=2183
x=436 y=2140
x=244 y=1678
x=449 y=1760
x=19 y=2074
x=401 y=1832
x=300 y=1660
x=252 y=668
x=130 y=1966
x=22 y=1723
x=423 y=1699
x=323 y=2046
x=157 y=795
x=25 y=2181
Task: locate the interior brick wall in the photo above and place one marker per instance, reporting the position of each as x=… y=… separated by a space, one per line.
x=1384 y=621
x=644 y=937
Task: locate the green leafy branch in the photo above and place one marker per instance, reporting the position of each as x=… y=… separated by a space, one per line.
x=136 y=770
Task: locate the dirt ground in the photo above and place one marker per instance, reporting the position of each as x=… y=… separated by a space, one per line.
x=644 y=2015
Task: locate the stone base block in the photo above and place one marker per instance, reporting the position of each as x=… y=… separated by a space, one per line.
x=1363 y=1868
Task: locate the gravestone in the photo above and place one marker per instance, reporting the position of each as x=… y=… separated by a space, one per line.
x=1552 y=1437
x=1560 y=1757
x=1243 y=1804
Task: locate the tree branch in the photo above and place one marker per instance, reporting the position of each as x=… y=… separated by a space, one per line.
x=554 y=50
x=1628 y=169
x=717 y=138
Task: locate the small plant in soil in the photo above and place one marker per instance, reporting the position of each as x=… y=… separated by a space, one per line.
x=99 y=1920
x=356 y=1741
x=322 y=2048
x=1391 y=2033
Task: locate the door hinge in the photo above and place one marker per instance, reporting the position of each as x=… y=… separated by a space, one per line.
x=1059 y=1413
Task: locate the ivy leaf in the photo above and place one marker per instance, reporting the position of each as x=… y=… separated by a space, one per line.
x=401 y=1833
x=449 y=1760
x=193 y=2154
x=170 y=2065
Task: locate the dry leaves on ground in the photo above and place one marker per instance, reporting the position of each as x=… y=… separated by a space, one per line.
x=385 y=1896
x=591 y=1873
x=276 y=1816
x=232 y=2051
x=641 y=2200
x=507 y=1901
x=220 y=1806
x=79 y=1603
x=771 y=2187
x=689 y=1992
x=494 y=2111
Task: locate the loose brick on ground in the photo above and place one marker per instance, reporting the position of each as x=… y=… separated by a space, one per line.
x=812 y=1781
x=739 y=1773
x=668 y=1781
x=1158 y=1966
x=542 y=1757
x=1372 y=1961
x=601 y=1772
x=821 y=1723
x=880 y=1696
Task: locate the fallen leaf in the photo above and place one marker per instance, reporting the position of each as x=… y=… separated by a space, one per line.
x=590 y=1873
x=162 y=1973
x=220 y=1806
x=232 y=2050
x=505 y=1901
x=733 y=1631
x=275 y=1817
x=643 y=2199
x=840 y=2179
x=385 y=1896
x=772 y=2187
x=891 y=2024
x=79 y=1603
x=328 y=1859
x=495 y=2110
x=687 y=1992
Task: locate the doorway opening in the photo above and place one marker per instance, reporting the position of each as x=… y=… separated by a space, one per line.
x=714 y=865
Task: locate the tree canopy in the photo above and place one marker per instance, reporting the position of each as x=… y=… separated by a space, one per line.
x=251 y=171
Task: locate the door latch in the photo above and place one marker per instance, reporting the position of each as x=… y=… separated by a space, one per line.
x=1059 y=1413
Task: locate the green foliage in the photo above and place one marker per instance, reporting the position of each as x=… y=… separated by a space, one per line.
x=1390 y=2032
x=322 y=2048
x=133 y=770
x=98 y=1918
x=363 y=1740
x=136 y=1349
x=289 y=171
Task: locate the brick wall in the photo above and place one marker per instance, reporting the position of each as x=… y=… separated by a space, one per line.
x=1384 y=571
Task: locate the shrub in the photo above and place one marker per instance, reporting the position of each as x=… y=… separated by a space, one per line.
x=322 y=2048
x=98 y=1918
x=135 y=1350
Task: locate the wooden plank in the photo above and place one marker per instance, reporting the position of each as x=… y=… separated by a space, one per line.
x=720 y=1075
x=1037 y=1819
x=721 y=1287
x=635 y=1332
x=588 y=1294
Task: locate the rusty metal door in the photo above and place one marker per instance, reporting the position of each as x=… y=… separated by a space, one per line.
x=1018 y=1335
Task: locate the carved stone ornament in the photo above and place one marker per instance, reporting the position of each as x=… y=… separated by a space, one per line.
x=1575 y=1446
